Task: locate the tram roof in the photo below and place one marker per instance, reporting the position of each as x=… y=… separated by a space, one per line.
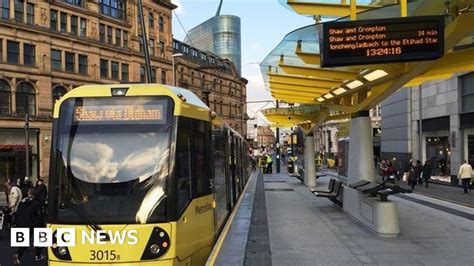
x=292 y=71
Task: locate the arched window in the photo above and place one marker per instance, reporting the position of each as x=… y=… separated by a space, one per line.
x=58 y=92
x=25 y=99
x=5 y=98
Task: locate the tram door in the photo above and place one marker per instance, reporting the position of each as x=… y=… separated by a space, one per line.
x=228 y=178
x=232 y=168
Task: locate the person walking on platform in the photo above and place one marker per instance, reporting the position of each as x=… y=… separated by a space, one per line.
x=29 y=215
x=14 y=198
x=390 y=172
x=465 y=174
x=41 y=192
x=383 y=170
x=396 y=166
x=418 y=168
x=269 y=163
x=410 y=174
x=426 y=172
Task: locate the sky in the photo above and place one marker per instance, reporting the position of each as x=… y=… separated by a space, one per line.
x=264 y=23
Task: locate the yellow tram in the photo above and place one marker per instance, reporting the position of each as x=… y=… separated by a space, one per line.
x=144 y=174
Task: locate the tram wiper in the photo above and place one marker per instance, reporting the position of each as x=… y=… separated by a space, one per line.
x=79 y=211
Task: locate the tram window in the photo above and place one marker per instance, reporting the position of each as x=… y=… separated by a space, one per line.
x=201 y=145
x=183 y=168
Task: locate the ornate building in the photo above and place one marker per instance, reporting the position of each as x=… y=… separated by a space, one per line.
x=49 y=47
x=215 y=80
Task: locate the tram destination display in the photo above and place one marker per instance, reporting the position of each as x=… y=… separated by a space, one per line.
x=378 y=41
x=118 y=113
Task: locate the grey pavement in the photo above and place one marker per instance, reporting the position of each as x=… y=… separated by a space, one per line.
x=305 y=230
x=7 y=252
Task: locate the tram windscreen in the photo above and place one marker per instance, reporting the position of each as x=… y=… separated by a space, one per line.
x=112 y=159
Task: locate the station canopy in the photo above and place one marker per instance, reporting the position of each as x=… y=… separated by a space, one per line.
x=293 y=74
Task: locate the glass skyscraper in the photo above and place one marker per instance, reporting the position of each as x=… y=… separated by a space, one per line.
x=219 y=35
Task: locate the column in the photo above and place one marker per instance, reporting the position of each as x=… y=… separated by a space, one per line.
x=361 y=152
x=309 y=166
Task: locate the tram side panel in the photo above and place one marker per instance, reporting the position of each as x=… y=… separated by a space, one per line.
x=220 y=181
x=194 y=230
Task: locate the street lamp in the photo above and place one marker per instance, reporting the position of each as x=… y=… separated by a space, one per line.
x=172 y=61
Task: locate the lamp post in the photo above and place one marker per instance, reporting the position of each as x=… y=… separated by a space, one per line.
x=27 y=144
x=173 y=66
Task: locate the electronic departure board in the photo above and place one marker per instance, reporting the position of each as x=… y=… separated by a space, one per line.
x=377 y=41
x=118 y=113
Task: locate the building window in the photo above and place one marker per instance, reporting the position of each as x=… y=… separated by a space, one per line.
x=29 y=54
x=115 y=70
x=55 y=59
x=70 y=62
x=53 y=21
x=25 y=99
x=83 y=28
x=5 y=9
x=142 y=74
x=58 y=92
x=118 y=37
x=104 y=68
x=30 y=13
x=161 y=24
x=153 y=75
x=124 y=72
x=74 y=21
x=102 y=32
x=140 y=43
x=75 y=2
x=5 y=98
x=109 y=34
x=162 y=49
x=151 y=21
x=125 y=39
x=152 y=46
x=163 y=77
x=63 y=22
x=113 y=8
x=13 y=52
x=467 y=82
x=83 y=64
x=19 y=10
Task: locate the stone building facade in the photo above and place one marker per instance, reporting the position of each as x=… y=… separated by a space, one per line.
x=215 y=80
x=446 y=138
x=50 y=47
x=265 y=136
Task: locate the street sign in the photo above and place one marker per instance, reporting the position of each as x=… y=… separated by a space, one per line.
x=378 y=41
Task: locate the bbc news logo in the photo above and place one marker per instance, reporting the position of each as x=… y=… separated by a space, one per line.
x=66 y=237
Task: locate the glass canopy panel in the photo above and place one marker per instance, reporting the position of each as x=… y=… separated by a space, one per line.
x=309 y=35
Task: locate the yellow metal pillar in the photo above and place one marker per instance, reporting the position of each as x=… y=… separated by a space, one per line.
x=403 y=8
x=353 y=9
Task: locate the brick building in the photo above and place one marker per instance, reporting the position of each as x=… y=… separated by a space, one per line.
x=215 y=80
x=49 y=47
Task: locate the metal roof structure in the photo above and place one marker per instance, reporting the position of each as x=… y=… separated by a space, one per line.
x=292 y=71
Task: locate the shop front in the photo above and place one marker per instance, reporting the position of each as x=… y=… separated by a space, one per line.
x=13 y=154
x=438 y=155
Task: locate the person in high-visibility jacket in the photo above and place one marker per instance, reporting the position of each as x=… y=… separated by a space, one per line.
x=269 y=163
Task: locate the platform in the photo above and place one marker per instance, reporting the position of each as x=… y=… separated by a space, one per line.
x=280 y=222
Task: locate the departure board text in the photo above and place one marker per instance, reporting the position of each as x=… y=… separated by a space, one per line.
x=382 y=41
x=107 y=113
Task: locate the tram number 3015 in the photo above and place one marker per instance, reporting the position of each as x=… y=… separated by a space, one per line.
x=103 y=255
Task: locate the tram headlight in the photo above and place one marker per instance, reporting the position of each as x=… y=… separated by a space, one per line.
x=62 y=250
x=154 y=249
x=158 y=244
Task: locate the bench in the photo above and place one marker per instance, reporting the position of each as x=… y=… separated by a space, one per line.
x=333 y=192
x=330 y=188
x=382 y=190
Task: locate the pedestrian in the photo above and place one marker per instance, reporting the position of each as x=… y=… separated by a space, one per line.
x=396 y=166
x=465 y=174
x=29 y=215
x=390 y=172
x=426 y=172
x=25 y=185
x=14 y=198
x=41 y=192
x=269 y=163
x=383 y=169
x=410 y=174
x=418 y=167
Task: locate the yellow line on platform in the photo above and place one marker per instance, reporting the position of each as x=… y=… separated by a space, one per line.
x=220 y=241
